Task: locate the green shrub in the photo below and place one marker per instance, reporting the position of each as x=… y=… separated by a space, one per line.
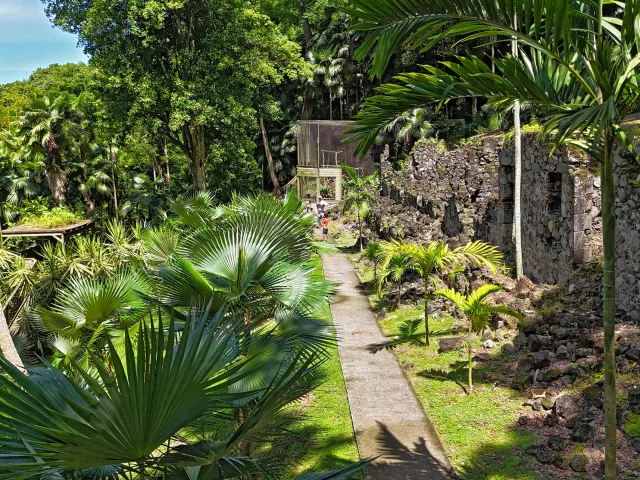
x=55 y=217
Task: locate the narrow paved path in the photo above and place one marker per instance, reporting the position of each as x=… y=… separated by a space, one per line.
x=389 y=421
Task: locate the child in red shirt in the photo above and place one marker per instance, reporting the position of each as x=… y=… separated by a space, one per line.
x=325 y=228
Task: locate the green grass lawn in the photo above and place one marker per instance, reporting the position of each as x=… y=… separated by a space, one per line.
x=479 y=432
x=316 y=433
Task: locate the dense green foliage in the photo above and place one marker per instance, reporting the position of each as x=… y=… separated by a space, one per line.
x=175 y=97
x=201 y=317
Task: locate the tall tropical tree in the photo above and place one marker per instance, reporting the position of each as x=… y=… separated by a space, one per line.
x=327 y=66
x=19 y=173
x=51 y=126
x=430 y=260
x=478 y=312
x=577 y=70
x=357 y=195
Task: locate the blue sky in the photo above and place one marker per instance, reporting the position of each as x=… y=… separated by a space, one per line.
x=28 y=41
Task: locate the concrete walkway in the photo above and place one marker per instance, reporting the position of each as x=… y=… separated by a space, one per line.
x=389 y=421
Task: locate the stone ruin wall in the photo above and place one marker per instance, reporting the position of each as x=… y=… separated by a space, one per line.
x=561 y=224
x=467 y=193
x=627 y=238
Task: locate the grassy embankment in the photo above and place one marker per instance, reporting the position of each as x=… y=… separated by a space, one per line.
x=480 y=433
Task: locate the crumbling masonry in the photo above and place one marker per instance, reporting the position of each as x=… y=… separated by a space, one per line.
x=467 y=193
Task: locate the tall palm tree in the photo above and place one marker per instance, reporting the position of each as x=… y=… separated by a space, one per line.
x=430 y=260
x=406 y=128
x=478 y=312
x=18 y=174
x=51 y=126
x=357 y=195
x=327 y=65
x=579 y=75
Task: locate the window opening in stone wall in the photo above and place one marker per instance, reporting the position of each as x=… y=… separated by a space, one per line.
x=506 y=185
x=554 y=192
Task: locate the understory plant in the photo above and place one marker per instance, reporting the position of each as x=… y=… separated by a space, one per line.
x=430 y=260
x=243 y=341
x=357 y=195
x=478 y=310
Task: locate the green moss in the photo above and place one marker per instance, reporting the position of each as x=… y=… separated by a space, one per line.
x=533 y=129
x=633 y=425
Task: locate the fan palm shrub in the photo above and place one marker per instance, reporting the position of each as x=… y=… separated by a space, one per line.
x=478 y=312
x=90 y=312
x=126 y=423
x=578 y=71
x=430 y=260
x=357 y=196
x=254 y=260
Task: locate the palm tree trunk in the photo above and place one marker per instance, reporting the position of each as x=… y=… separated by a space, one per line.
x=517 y=160
x=166 y=161
x=359 y=229
x=6 y=343
x=609 y=308
x=426 y=312
x=470 y=360
x=114 y=159
x=330 y=103
x=267 y=151
x=198 y=158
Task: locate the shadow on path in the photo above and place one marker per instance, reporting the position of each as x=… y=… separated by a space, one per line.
x=396 y=457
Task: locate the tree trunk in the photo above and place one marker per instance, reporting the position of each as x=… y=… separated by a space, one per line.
x=57 y=180
x=330 y=103
x=198 y=157
x=267 y=151
x=114 y=160
x=166 y=161
x=609 y=308
x=6 y=343
x=306 y=28
x=307 y=108
x=426 y=312
x=56 y=176
x=359 y=230
x=517 y=181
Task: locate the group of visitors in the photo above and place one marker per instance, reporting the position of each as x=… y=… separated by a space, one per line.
x=323 y=216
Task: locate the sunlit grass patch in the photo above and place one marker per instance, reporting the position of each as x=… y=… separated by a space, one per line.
x=478 y=431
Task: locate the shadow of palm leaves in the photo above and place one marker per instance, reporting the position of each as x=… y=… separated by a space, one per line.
x=397 y=461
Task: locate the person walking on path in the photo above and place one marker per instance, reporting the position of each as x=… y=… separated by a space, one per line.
x=325 y=228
